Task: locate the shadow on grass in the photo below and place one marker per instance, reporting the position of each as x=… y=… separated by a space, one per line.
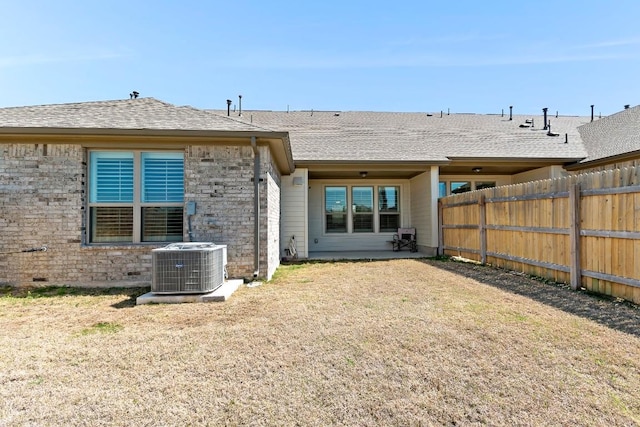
x=611 y=312
x=129 y=294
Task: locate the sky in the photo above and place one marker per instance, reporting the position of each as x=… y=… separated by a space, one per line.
x=422 y=56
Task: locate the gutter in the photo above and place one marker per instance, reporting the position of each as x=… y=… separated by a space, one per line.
x=256 y=207
x=630 y=155
x=145 y=132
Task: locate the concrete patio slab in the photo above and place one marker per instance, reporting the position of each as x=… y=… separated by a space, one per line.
x=364 y=255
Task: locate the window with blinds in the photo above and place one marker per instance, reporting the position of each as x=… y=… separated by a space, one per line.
x=111 y=177
x=362 y=200
x=136 y=196
x=335 y=201
x=373 y=209
x=162 y=177
x=162 y=224
x=111 y=224
x=388 y=208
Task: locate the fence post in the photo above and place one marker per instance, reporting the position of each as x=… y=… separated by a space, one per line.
x=440 y=231
x=483 y=228
x=574 y=235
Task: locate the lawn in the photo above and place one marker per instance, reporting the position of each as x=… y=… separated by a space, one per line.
x=401 y=342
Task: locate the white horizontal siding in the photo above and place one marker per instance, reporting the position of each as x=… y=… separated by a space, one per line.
x=319 y=241
x=294 y=213
x=421 y=208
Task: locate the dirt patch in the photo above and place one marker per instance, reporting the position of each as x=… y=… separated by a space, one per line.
x=402 y=342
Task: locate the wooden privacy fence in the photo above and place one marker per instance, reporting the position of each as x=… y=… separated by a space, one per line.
x=582 y=229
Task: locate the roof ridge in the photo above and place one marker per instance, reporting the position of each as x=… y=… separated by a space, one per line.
x=215 y=113
x=620 y=113
x=107 y=101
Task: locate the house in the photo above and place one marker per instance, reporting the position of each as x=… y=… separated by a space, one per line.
x=102 y=183
x=351 y=164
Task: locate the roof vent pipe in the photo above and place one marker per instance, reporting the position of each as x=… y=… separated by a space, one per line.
x=544 y=110
x=240 y=105
x=228 y=107
x=591 y=112
x=626 y=107
x=510 y=112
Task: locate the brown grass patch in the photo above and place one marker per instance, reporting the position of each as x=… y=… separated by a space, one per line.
x=401 y=342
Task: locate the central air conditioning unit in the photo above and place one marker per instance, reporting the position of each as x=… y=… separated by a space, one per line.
x=188 y=268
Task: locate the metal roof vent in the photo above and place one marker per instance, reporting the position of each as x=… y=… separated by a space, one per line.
x=528 y=123
x=551 y=133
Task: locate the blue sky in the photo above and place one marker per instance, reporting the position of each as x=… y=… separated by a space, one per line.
x=474 y=56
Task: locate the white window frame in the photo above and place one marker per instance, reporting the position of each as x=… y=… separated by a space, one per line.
x=137 y=204
x=349 y=202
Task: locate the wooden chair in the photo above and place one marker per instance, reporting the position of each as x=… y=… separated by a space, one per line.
x=405 y=238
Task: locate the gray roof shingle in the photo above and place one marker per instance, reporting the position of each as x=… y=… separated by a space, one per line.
x=613 y=135
x=381 y=136
x=130 y=114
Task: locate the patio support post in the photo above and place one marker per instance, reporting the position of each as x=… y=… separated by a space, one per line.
x=440 y=230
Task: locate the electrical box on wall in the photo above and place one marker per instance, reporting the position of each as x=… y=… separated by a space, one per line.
x=191 y=208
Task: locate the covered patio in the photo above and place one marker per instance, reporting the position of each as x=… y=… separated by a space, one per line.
x=364 y=255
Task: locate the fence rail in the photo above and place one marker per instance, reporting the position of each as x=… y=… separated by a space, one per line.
x=583 y=229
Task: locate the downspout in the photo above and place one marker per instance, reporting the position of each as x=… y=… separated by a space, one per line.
x=256 y=207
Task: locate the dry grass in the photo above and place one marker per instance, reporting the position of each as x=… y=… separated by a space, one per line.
x=401 y=342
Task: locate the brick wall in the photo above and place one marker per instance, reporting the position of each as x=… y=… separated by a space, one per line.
x=220 y=181
x=42 y=190
x=40 y=204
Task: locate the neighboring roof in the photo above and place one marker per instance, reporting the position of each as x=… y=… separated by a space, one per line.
x=612 y=136
x=335 y=136
x=131 y=114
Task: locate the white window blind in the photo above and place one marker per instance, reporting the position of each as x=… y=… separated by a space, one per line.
x=362 y=200
x=336 y=209
x=111 y=177
x=162 y=177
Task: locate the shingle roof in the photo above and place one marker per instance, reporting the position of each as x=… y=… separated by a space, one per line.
x=613 y=135
x=381 y=136
x=141 y=113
